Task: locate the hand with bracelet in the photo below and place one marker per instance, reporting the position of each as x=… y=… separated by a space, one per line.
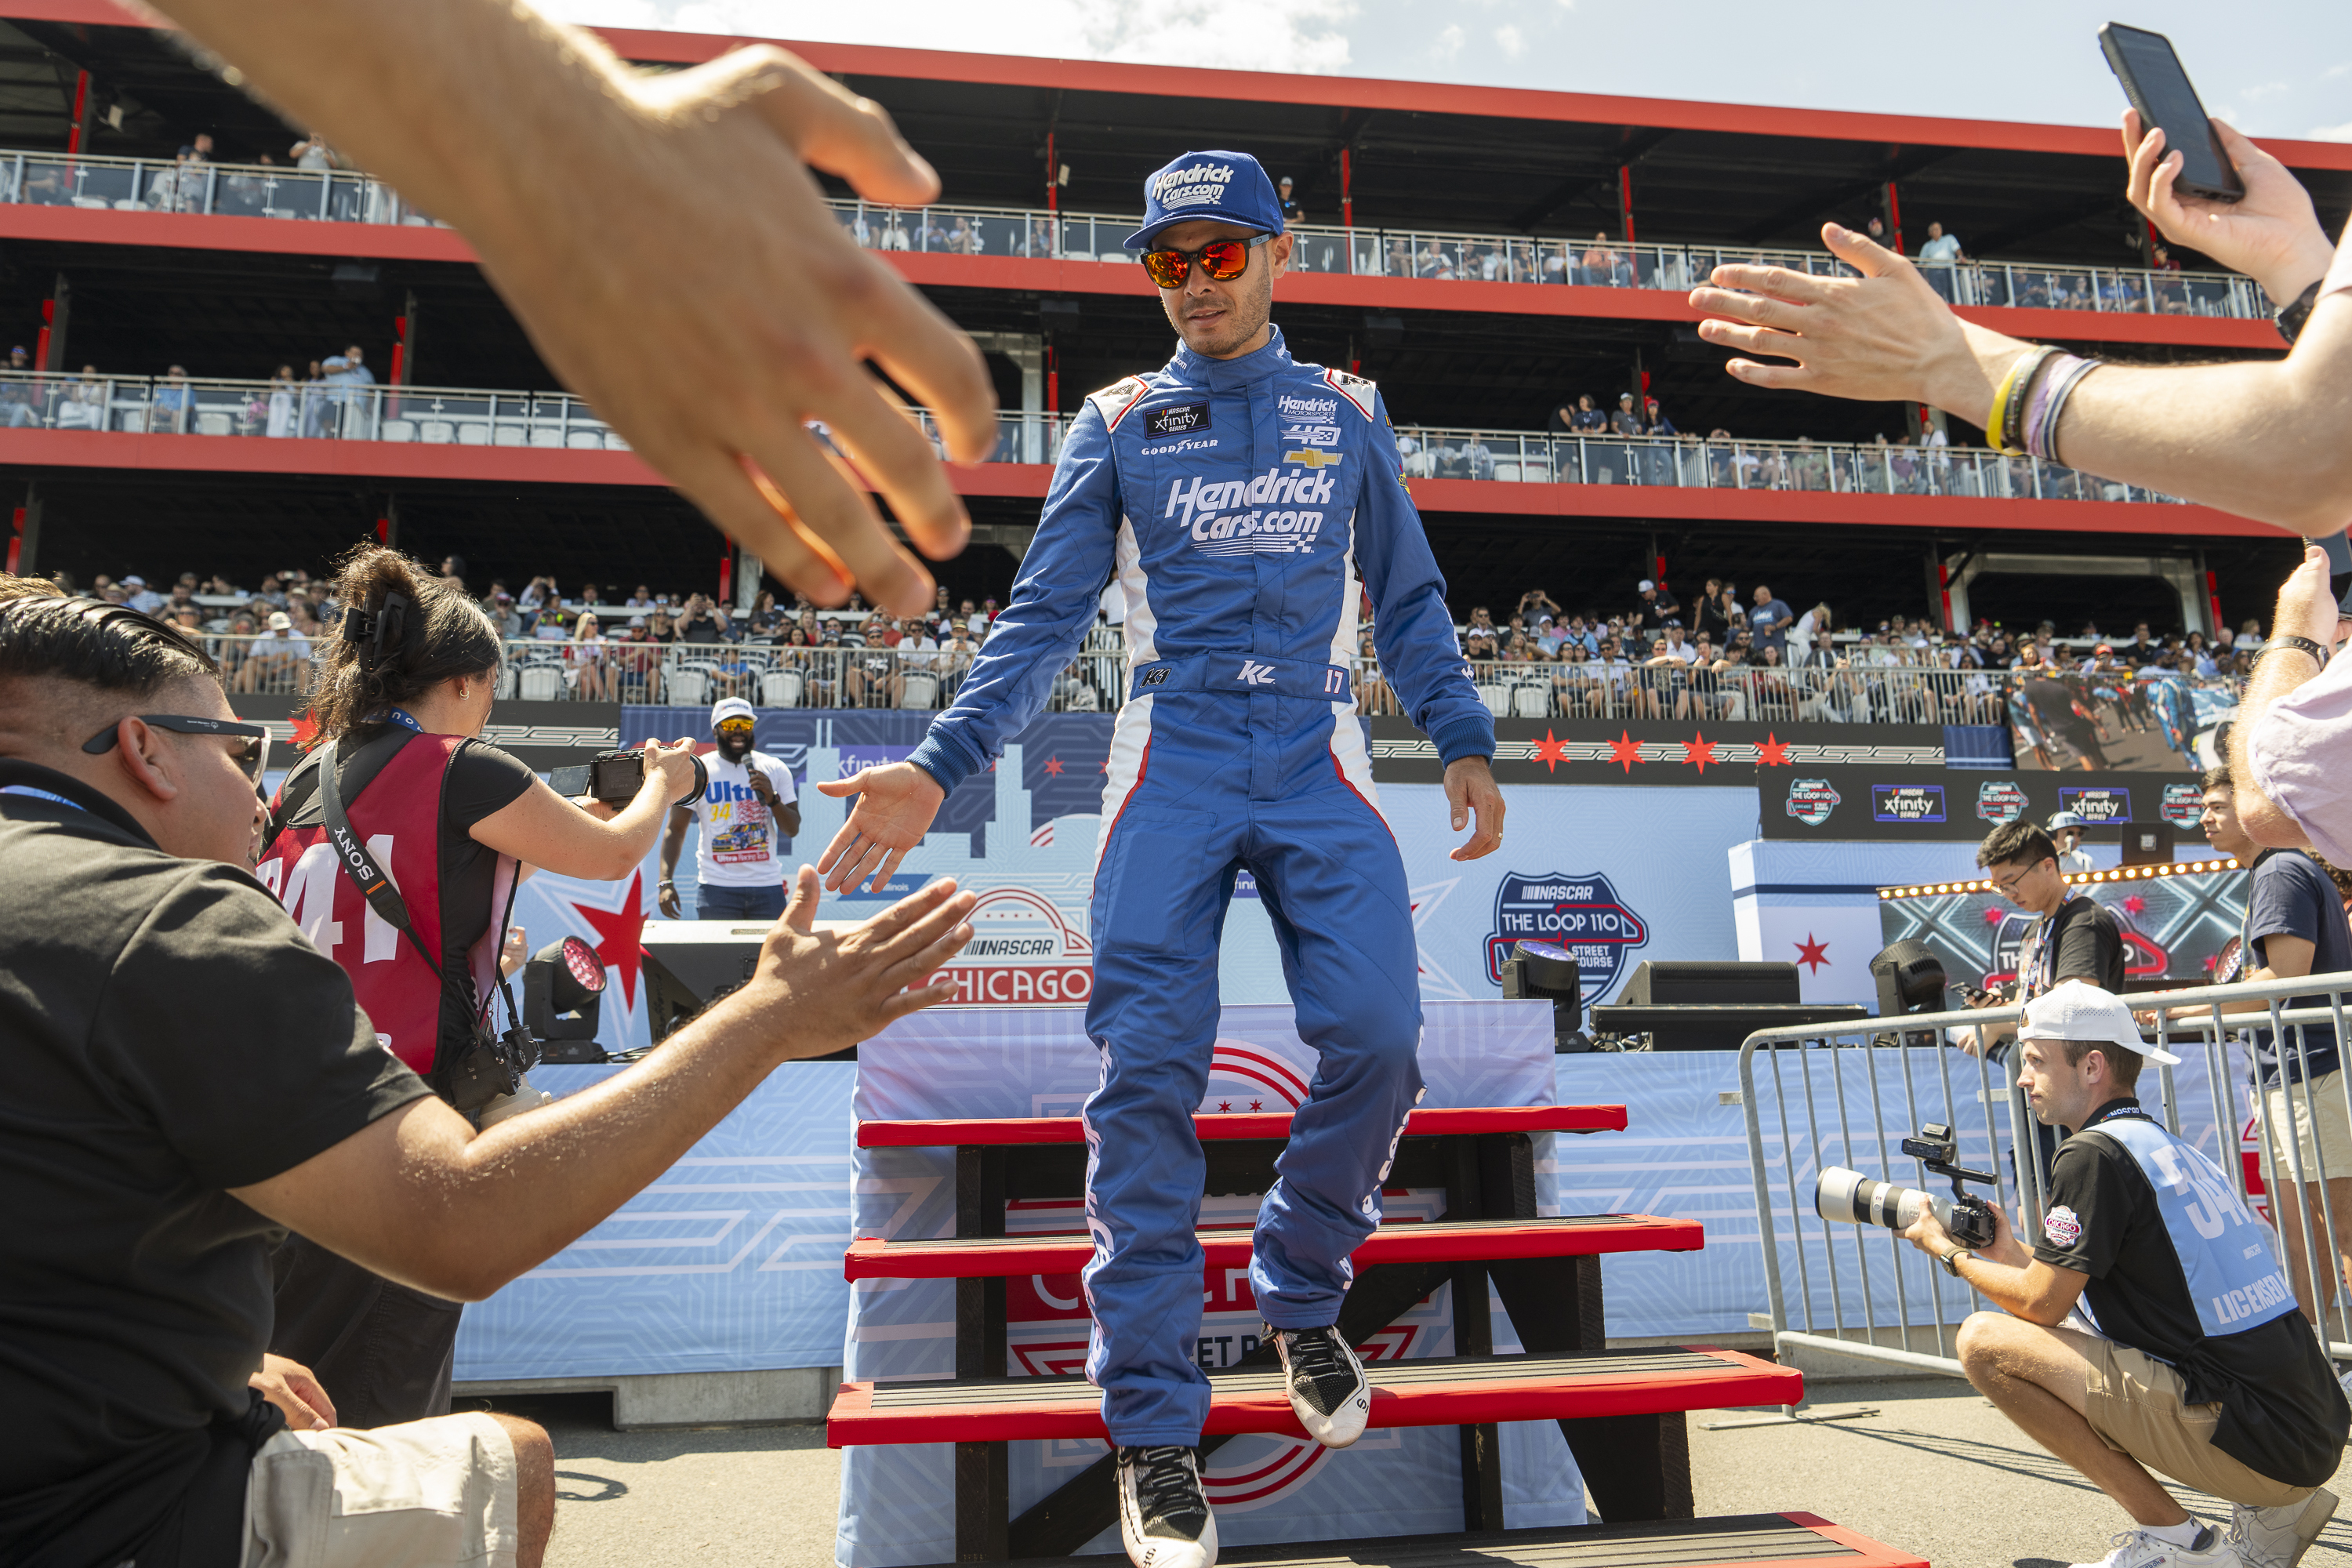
x=2258 y=438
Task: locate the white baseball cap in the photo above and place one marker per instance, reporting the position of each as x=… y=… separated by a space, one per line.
x=730 y=707
x=2078 y=1010
x=279 y=621
x=1646 y=586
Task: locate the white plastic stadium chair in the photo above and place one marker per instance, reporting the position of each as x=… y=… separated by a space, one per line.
x=209 y=423
x=473 y=433
x=438 y=432
x=539 y=683
x=1507 y=471
x=781 y=688
x=546 y=435
x=398 y=430
x=1531 y=702
x=688 y=687
x=614 y=443
x=921 y=690
x=505 y=680
x=1497 y=700
x=584 y=439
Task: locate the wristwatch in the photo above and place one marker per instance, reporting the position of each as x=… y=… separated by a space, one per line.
x=1952 y=1260
x=2319 y=654
x=2291 y=317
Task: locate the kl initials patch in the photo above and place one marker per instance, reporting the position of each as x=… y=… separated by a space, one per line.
x=1179 y=420
x=2063 y=1226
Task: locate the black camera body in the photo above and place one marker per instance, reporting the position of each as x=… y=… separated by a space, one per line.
x=614 y=777
x=1970 y=1222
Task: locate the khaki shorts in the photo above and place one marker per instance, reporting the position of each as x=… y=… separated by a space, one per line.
x=2333 y=1146
x=2135 y=1405
x=438 y=1492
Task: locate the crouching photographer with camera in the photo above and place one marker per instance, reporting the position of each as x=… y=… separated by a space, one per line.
x=152 y=1141
x=2150 y=1327
x=441 y=823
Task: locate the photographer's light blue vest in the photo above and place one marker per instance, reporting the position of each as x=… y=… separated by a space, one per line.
x=2224 y=1250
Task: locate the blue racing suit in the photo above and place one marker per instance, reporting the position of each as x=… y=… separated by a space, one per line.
x=1243 y=506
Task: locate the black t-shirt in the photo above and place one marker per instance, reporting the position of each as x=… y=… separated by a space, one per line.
x=701 y=630
x=481 y=781
x=168 y=1035
x=2078 y=941
x=2291 y=895
x=2283 y=1413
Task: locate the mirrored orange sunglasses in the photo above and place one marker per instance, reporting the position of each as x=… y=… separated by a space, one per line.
x=1222 y=259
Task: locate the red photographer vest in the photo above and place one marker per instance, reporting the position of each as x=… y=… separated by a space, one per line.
x=398 y=813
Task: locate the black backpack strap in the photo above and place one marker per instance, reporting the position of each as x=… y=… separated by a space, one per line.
x=351 y=854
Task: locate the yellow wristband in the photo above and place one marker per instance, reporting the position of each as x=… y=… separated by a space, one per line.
x=2012 y=387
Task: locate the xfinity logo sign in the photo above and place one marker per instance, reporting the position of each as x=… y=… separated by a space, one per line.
x=1255 y=674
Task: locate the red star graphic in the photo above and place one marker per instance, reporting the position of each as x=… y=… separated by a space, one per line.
x=1992 y=917
x=2135 y=903
x=1551 y=750
x=1772 y=754
x=1105 y=767
x=1626 y=751
x=1812 y=952
x=618 y=936
x=1698 y=751
x=1224 y=1105
x=1257 y=1105
x=1053 y=767
x=306 y=729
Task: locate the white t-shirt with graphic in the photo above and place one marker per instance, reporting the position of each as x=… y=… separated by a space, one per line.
x=740 y=846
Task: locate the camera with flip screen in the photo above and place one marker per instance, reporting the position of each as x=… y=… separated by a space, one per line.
x=614 y=777
x=1852 y=1198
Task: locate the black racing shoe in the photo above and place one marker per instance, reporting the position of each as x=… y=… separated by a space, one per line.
x=1163 y=1515
x=1327 y=1386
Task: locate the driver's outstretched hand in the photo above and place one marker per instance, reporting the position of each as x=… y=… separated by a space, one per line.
x=1472 y=792
x=895 y=807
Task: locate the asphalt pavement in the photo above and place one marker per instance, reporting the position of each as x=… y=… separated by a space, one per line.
x=1937 y=1471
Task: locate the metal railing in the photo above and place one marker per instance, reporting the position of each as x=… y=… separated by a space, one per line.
x=471 y=416
x=775 y=673
x=267 y=189
x=369 y=411
x=1689 y=462
x=178 y=185
x=1819 y=1095
x=959 y=229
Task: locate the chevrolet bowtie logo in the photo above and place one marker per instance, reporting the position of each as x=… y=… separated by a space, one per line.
x=1255 y=674
x=1312 y=458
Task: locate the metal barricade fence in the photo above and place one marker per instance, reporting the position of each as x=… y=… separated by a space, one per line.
x=1816 y=1095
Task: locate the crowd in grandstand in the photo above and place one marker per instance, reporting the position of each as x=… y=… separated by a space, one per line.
x=1726 y=654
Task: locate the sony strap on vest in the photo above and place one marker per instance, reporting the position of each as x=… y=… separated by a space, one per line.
x=491 y=1065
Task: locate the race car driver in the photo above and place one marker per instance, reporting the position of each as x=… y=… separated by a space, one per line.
x=1243 y=503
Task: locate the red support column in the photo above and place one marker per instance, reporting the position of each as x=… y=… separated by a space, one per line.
x=2212 y=597
x=725 y=575
x=81 y=101
x=1053 y=177
x=1346 y=190
x=16 y=538
x=1894 y=219
x=1625 y=198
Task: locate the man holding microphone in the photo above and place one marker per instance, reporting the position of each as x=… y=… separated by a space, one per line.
x=748 y=813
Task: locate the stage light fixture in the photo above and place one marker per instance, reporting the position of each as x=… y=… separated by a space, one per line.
x=562 y=995
x=1546 y=971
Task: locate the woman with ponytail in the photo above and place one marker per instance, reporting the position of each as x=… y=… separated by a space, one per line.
x=400 y=692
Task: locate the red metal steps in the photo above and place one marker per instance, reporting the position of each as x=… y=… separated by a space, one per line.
x=998 y=1130
x=1782 y=1540
x=1465 y=1391
x=1436 y=1241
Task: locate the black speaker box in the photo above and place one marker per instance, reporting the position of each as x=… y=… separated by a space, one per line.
x=2147 y=843
x=1677 y=982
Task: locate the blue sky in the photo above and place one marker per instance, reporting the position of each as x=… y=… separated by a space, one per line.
x=2273 y=67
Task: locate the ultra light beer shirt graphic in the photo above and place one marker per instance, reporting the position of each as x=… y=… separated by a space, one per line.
x=1583 y=913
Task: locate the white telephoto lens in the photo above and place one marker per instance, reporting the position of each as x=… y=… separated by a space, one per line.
x=1850 y=1197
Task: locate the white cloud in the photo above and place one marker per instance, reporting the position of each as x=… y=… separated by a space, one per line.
x=1507 y=39
x=2330 y=132
x=2268 y=90
x=1306 y=36
x=1449 y=44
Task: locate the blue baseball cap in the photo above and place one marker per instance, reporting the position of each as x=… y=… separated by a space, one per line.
x=1229 y=186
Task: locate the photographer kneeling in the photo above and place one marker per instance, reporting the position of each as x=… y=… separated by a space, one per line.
x=185 y=1074
x=400 y=696
x=2182 y=1349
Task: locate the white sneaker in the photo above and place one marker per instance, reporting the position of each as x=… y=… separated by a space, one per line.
x=2139 y=1549
x=2278 y=1537
x=1164 y=1519
x=1327 y=1383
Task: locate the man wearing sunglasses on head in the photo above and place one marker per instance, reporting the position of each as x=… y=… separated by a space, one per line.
x=1244 y=504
